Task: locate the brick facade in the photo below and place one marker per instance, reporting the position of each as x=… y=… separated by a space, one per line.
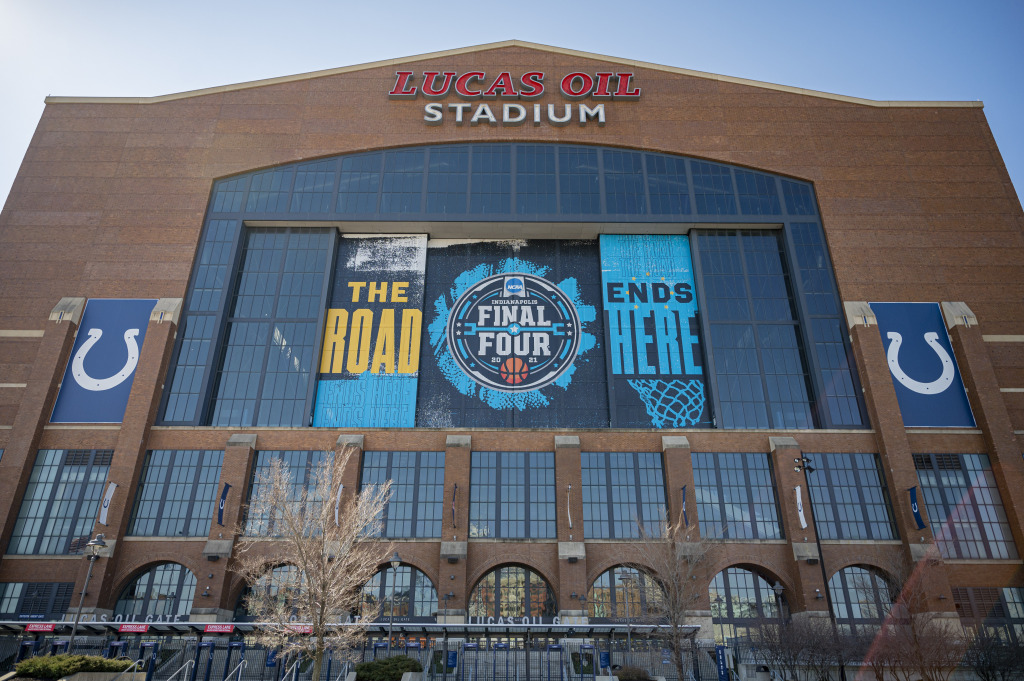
x=110 y=201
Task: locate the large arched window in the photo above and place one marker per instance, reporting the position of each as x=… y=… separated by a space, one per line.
x=404 y=594
x=512 y=591
x=860 y=597
x=623 y=594
x=247 y=347
x=277 y=585
x=164 y=593
x=740 y=600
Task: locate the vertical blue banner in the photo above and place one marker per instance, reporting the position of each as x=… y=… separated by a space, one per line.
x=369 y=364
x=720 y=663
x=99 y=375
x=651 y=332
x=223 y=501
x=928 y=385
x=915 y=508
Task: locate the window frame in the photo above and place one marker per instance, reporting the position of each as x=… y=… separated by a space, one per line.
x=276 y=196
x=757 y=326
x=181 y=586
x=191 y=505
x=85 y=508
x=383 y=581
x=721 y=503
x=825 y=497
x=941 y=493
x=651 y=525
x=548 y=607
x=314 y=458
x=418 y=487
x=56 y=595
x=842 y=598
x=499 y=501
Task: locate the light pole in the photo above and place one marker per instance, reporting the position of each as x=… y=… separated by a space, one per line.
x=627 y=580
x=804 y=465
x=93 y=548
x=721 y=623
x=395 y=562
x=778 y=589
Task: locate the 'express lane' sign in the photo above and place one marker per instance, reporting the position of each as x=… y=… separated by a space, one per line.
x=471 y=85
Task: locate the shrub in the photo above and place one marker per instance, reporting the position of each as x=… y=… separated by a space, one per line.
x=59 y=666
x=633 y=674
x=387 y=669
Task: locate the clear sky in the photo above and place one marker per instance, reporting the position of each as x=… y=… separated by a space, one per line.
x=893 y=49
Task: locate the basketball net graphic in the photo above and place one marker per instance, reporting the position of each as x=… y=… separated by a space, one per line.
x=671 y=404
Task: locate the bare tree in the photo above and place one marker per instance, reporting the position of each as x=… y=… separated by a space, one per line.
x=995 y=658
x=678 y=556
x=925 y=644
x=328 y=540
x=782 y=645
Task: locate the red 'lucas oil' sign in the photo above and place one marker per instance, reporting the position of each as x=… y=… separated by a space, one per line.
x=470 y=85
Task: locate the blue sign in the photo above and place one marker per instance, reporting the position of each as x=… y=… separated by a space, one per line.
x=453 y=659
x=651 y=331
x=924 y=372
x=98 y=379
x=916 y=508
x=720 y=664
x=369 y=362
x=223 y=501
x=605 y=659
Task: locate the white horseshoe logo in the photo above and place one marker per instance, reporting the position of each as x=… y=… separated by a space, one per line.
x=96 y=384
x=935 y=387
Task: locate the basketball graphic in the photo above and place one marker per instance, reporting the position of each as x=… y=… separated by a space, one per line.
x=513 y=371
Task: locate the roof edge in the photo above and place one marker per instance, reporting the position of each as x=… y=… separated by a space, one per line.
x=498 y=45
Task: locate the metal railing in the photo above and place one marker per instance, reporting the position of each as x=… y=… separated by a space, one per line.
x=135 y=665
x=238 y=668
x=185 y=667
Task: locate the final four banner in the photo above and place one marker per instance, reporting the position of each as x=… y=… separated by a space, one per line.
x=527 y=334
x=924 y=371
x=369 y=365
x=98 y=378
x=513 y=336
x=652 y=334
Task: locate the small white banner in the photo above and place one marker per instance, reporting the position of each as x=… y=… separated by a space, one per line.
x=800 y=509
x=337 y=503
x=106 y=502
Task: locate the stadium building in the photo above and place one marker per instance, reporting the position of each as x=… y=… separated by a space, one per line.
x=554 y=297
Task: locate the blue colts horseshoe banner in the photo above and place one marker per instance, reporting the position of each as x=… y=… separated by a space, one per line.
x=924 y=372
x=99 y=375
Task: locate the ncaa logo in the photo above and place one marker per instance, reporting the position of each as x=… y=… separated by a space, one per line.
x=514 y=287
x=513 y=332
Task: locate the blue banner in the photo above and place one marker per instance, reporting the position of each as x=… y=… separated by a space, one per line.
x=924 y=372
x=916 y=509
x=651 y=332
x=99 y=375
x=686 y=519
x=720 y=663
x=369 y=364
x=220 y=506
